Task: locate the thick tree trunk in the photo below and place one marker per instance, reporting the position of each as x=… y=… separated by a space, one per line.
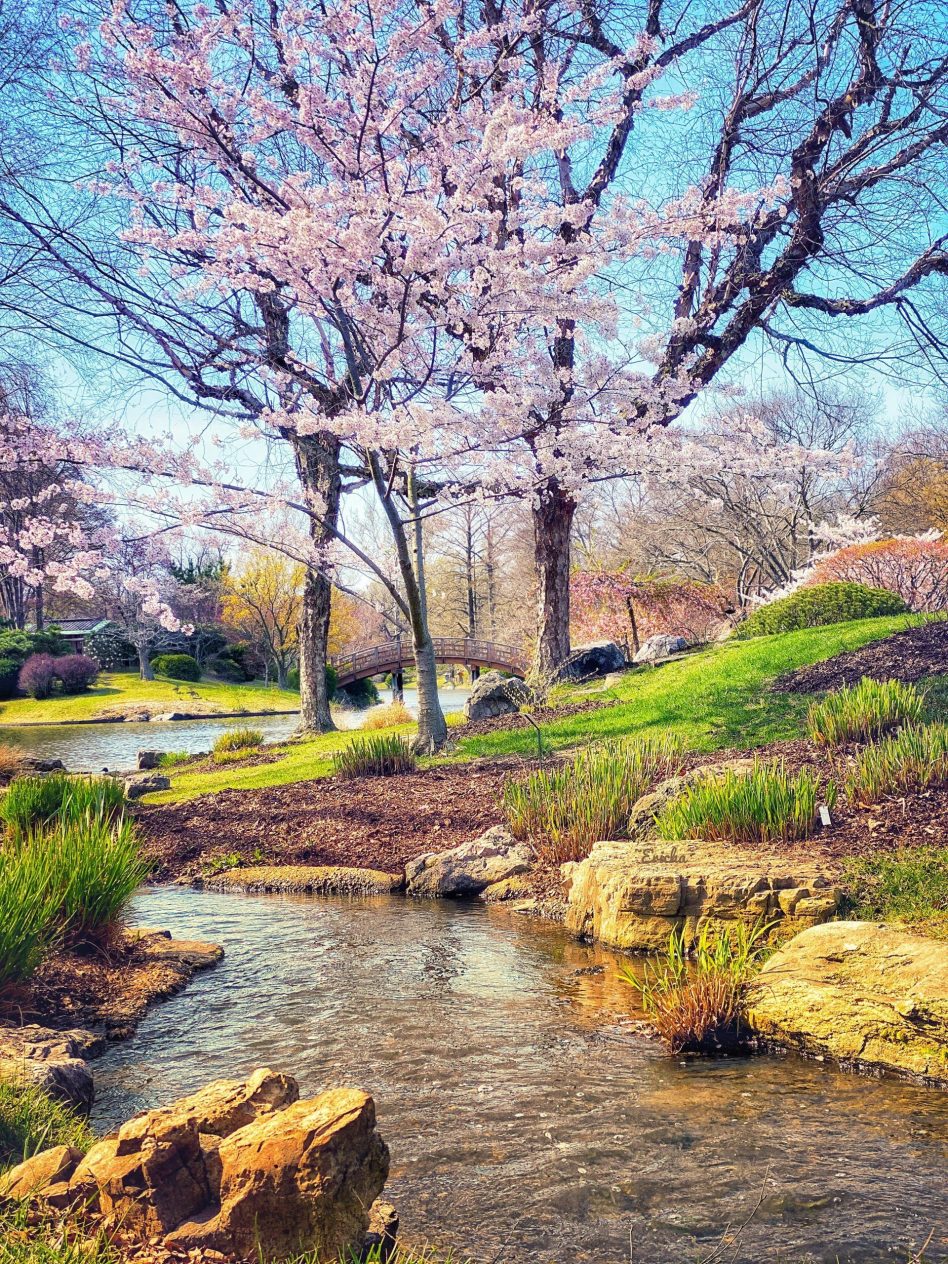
x=317 y=463
x=281 y=675
x=552 y=523
x=144 y=664
x=432 y=726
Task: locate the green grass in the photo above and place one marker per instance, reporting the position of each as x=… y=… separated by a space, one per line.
x=117 y=690
x=864 y=712
x=563 y=810
x=714 y=698
x=903 y=886
x=31 y=1121
x=766 y=805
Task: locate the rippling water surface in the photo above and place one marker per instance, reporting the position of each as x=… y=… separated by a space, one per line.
x=527 y=1123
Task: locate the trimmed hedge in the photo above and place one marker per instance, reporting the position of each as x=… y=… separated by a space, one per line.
x=176 y=666
x=819 y=605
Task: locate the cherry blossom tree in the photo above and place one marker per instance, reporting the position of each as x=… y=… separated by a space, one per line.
x=628 y=609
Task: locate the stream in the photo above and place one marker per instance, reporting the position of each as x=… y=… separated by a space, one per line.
x=528 y=1123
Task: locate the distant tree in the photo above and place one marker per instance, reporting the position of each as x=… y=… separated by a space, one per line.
x=913 y=567
x=628 y=609
x=136 y=595
x=263 y=601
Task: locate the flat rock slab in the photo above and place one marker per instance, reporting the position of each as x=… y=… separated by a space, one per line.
x=634 y=894
x=306 y=880
x=862 y=993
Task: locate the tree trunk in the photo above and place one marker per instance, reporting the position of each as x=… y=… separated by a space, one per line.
x=552 y=523
x=432 y=726
x=317 y=463
x=281 y=675
x=144 y=664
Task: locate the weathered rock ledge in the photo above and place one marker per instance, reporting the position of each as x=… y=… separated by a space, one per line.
x=246 y=1169
x=634 y=894
x=302 y=879
x=868 y=995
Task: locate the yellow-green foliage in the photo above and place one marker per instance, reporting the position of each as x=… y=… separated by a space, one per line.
x=864 y=712
x=388 y=716
x=240 y=739
x=766 y=805
x=563 y=810
x=914 y=759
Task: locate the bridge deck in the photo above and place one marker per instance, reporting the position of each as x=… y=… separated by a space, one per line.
x=361 y=661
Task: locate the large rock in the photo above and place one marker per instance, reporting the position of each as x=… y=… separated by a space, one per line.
x=468 y=869
x=148 y=760
x=50 y=1167
x=55 y=1061
x=634 y=894
x=146 y=783
x=662 y=645
x=862 y=993
x=243 y=1168
x=494 y=694
x=597 y=659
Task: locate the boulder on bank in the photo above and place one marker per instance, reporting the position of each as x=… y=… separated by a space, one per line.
x=495 y=694
x=140 y=784
x=634 y=894
x=468 y=869
x=243 y=1168
x=662 y=645
x=599 y=658
x=55 y=1061
x=859 y=992
x=148 y=760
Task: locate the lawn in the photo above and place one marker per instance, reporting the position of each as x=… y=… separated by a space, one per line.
x=714 y=698
x=121 y=690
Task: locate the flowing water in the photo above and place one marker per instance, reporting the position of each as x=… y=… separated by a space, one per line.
x=93 y=747
x=528 y=1123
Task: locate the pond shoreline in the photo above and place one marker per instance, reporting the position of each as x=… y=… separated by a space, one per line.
x=175 y=718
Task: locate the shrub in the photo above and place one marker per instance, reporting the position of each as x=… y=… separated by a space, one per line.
x=767 y=804
x=9 y=676
x=386 y=717
x=31 y=1121
x=821 y=604
x=864 y=712
x=698 y=1006
x=76 y=672
x=241 y=739
x=913 y=759
x=109 y=647
x=384 y=755
x=910 y=885
x=176 y=666
x=226 y=669
x=38 y=676
x=170 y=759
x=562 y=811
x=35 y=802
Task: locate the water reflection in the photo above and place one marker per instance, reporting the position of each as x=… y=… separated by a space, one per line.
x=527 y=1120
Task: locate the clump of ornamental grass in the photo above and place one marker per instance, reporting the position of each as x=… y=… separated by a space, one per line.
x=564 y=810
x=31 y=1121
x=766 y=805
x=35 y=802
x=386 y=717
x=382 y=755
x=239 y=739
x=29 y=923
x=913 y=759
x=97 y=866
x=696 y=1000
x=864 y=712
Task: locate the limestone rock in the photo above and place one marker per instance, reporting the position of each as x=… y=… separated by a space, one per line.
x=468 y=869
x=859 y=992
x=596 y=659
x=34 y=764
x=494 y=694
x=54 y=1061
x=662 y=645
x=645 y=809
x=148 y=760
x=515 y=888
x=308 y=879
x=46 y=1168
x=634 y=894
x=146 y=783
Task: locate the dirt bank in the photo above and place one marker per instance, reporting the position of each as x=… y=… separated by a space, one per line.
x=908 y=656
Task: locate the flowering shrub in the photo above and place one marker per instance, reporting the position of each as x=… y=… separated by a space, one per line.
x=629 y=609
x=38 y=676
x=76 y=672
x=914 y=567
x=818 y=605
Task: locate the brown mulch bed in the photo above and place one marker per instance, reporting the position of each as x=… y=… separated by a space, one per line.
x=371 y=822
x=108 y=988
x=908 y=656
x=473 y=728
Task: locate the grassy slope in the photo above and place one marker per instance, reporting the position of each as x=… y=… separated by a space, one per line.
x=713 y=698
x=125 y=689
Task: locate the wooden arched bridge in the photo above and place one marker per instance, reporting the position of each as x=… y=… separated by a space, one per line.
x=358 y=661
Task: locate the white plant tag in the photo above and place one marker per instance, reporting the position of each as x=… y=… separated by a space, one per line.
x=825 y=817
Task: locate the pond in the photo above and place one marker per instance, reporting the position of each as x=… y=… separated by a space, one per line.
x=93 y=747
x=527 y=1121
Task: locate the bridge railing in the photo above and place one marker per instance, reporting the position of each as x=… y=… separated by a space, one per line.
x=373 y=659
